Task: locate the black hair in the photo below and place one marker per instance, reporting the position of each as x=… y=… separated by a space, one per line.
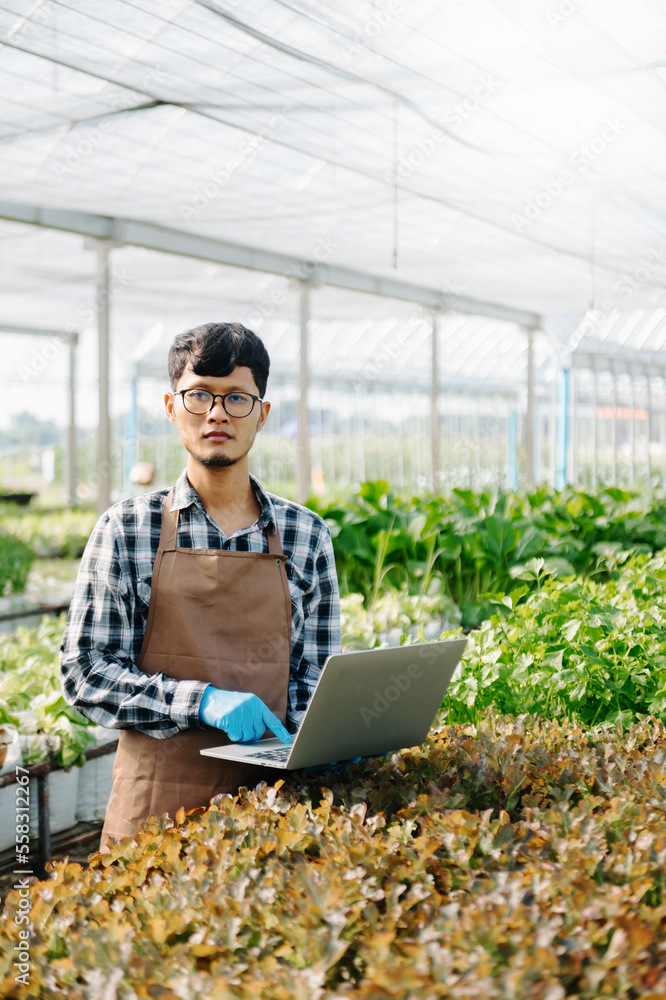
x=216 y=349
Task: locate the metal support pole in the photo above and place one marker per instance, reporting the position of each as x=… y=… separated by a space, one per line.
x=537 y=447
x=562 y=468
x=595 y=433
x=649 y=430
x=71 y=427
x=72 y=339
x=104 y=424
x=364 y=410
x=434 y=408
x=572 y=458
x=131 y=431
x=662 y=435
x=303 y=409
x=529 y=416
x=401 y=436
x=632 y=429
x=512 y=450
x=614 y=431
x=552 y=428
x=44 y=827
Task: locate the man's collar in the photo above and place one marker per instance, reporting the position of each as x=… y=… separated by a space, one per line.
x=185 y=495
x=267 y=516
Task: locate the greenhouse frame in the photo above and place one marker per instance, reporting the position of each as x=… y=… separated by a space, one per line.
x=433 y=254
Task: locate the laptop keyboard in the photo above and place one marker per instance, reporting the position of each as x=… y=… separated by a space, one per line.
x=281 y=754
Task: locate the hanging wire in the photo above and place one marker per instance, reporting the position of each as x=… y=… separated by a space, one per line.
x=395 y=185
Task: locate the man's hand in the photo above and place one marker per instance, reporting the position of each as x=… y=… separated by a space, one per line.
x=243 y=716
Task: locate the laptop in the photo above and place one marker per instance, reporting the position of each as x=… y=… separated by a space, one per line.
x=365 y=703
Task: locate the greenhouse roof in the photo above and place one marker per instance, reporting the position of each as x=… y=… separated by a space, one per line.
x=508 y=154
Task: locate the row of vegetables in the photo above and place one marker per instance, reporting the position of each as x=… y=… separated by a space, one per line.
x=517 y=858
x=29 y=535
x=466 y=545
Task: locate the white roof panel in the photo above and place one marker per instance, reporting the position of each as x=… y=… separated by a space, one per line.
x=502 y=150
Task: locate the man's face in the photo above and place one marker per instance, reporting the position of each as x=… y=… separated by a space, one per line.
x=215 y=439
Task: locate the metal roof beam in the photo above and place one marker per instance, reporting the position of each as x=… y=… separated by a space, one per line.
x=175 y=241
x=34 y=331
x=458 y=387
x=619 y=364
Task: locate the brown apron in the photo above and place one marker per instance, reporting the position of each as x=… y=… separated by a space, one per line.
x=218 y=616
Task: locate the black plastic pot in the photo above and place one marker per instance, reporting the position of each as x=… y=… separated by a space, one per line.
x=22 y=499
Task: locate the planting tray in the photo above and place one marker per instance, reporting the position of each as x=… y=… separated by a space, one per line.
x=95 y=781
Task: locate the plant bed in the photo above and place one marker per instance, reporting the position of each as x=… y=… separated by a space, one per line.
x=74 y=798
x=74 y=844
x=16 y=558
x=31 y=698
x=20 y=499
x=96 y=778
x=522 y=858
x=54 y=533
x=62 y=786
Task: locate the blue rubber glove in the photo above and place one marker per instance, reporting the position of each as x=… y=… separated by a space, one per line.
x=243 y=716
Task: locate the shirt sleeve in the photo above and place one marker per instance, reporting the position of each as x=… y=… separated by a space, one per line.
x=321 y=630
x=103 y=635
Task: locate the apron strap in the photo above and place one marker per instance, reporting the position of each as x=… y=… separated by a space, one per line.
x=274 y=541
x=169 y=528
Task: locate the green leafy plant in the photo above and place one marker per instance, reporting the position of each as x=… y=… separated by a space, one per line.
x=31 y=696
x=582 y=650
x=50 y=533
x=470 y=544
x=16 y=558
x=393 y=610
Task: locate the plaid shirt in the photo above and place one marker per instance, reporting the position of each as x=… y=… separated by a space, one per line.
x=108 y=614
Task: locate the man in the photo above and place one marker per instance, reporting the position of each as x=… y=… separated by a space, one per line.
x=202 y=614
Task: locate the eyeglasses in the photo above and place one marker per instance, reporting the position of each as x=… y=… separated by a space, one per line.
x=236 y=404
